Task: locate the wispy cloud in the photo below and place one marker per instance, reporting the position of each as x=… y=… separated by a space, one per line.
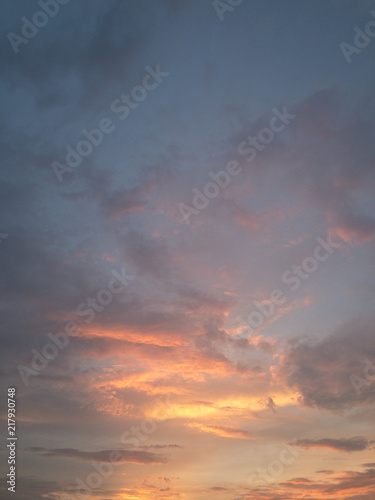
x=349 y=444
x=136 y=457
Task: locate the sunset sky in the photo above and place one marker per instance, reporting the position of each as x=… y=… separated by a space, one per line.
x=187 y=248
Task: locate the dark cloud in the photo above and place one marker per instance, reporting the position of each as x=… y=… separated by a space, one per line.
x=31 y=488
x=271 y=405
x=160 y=446
x=346 y=485
x=350 y=444
x=327 y=371
x=150 y=257
x=332 y=174
x=116 y=32
x=124 y=203
x=216 y=342
x=240 y=354
x=137 y=457
x=195 y=299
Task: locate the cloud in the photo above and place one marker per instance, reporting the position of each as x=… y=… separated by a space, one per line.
x=347 y=164
x=160 y=446
x=271 y=405
x=29 y=487
x=352 y=227
x=343 y=485
x=238 y=354
x=123 y=203
x=135 y=457
x=171 y=332
x=223 y=431
x=322 y=370
x=350 y=444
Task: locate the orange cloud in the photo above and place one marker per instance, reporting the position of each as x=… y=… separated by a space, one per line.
x=222 y=431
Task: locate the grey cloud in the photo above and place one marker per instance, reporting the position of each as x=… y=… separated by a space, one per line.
x=343 y=444
x=321 y=370
x=139 y=457
x=123 y=203
x=160 y=446
x=151 y=257
x=30 y=488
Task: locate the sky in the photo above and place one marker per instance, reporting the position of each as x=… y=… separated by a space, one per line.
x=186 y=249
